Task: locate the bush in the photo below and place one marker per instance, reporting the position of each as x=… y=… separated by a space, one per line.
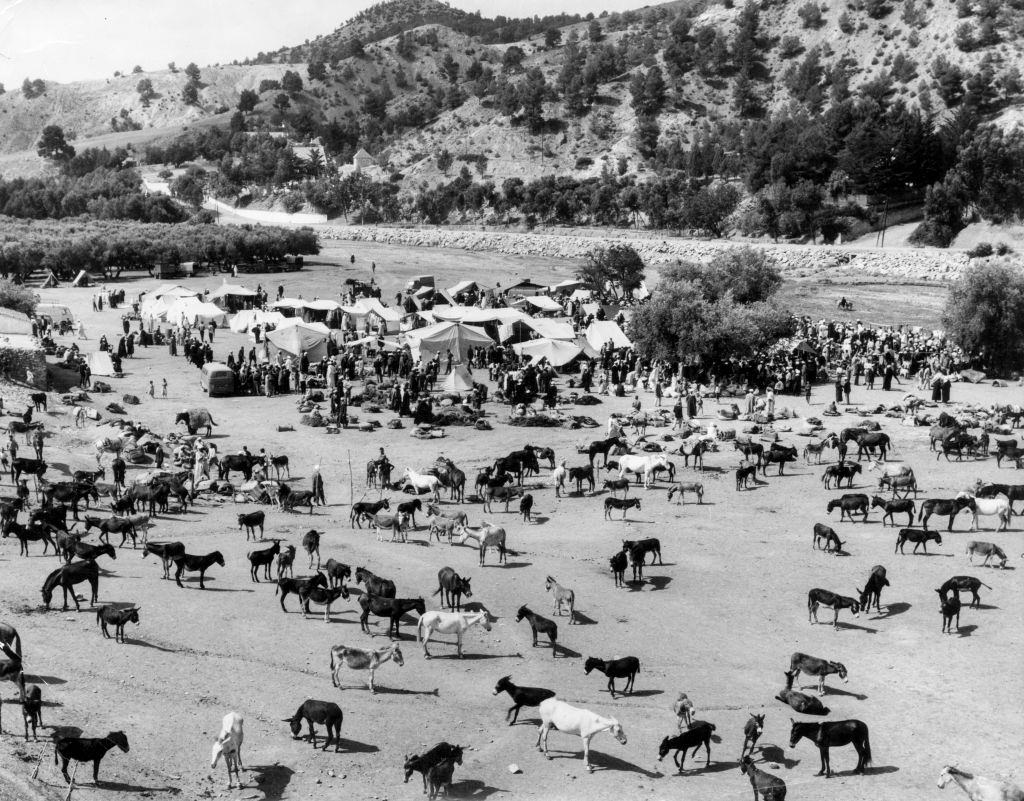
x=810 y=13
x=19 y=298
x=980 y=251
x=790 y=47
x=984 y=314
x=583 y=162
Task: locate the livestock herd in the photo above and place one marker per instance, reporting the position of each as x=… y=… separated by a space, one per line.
x=643 y=461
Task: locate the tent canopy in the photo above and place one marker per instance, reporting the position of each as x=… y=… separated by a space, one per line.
x=542 y=303
x=556 y=351
x=458 y=380
x=193 y=310
x=226 y=289
x=298 y=339
x=464 y=286
x=250 y=318
x=174 y=290
x=600 y=331
x=288 y=303
x=322 y=305
x=100 y=363
x=291 y=322
x=442 y=337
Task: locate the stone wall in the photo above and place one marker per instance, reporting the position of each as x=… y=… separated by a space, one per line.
x=794 y=261
x=17 y=358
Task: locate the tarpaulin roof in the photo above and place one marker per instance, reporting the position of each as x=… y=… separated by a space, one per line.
x=193 y=310
x=600 y=331
x=546 y=327
x=365 y=306
x=288 y=303
x=442 y=337
x=458 y=380
x=100 y=363
x=543 y=303
x=323 y=305
x=298 y=339
x=291 y=322
x=249 y=318
x=464 y=286
x=176 y=290
x=226 y=289
x=556 y=351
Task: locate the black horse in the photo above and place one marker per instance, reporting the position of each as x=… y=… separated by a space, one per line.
x=894 y=507
x=67 y=577
x=944 y=506
x=834 y=733
x=850 y=503
x=625 y=668
x=603 y=446
x=539 y=624
x=867 y=444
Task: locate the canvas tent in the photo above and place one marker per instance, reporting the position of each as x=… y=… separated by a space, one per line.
x=250 y=318
x=364 y=307
x=175 y=290
x=556 y=351
x=82 y=279
x=289 y=307
x=232 y=296
x=194 y=311
x=100 y=363
x=458 y=380
x=298 y=339
x=291 y=322
x=442 y=337
x=542 y=304
x=600 y=331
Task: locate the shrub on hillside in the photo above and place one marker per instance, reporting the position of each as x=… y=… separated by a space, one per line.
x=17 y=297
x=984 y=314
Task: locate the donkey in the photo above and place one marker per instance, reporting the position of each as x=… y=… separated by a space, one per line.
x=832 y=733
x=521 y=696
x=560 y=595
x=752 y=732
x=625 y=668
x=451 y=587
x=771 y=788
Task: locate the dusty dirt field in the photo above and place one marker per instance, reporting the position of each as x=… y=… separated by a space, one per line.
x=718 y=620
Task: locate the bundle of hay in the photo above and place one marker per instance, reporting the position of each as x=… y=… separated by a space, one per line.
x=116 y=408
x=585 y=400
x=457 y=416
x=536 y=421
x=131 y=400
x=314 y=420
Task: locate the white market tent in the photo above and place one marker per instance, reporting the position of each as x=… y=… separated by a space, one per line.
x=195 y=311
x=291 y=322
x=250 y=318
x=545 y=328
x=174 y=290
x=458 y=380
x=231 y=290
x=298 y=339
x=363 y=307
x=322 y=305
x=442 y=337
x=101 y=364
x=600 y=331
x=541 y=303
x=568 y=285
x=556 y=351
x=465 y=286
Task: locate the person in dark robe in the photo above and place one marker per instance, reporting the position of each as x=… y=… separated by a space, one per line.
x=887 y=378
x=405 y=410
x=691 y=405
x=947 y=385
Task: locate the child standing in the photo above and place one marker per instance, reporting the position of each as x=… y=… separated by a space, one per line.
x=163 y=393
x=152 y=390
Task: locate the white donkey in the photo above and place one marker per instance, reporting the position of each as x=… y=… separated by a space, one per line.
x=570 y=719
x=229 y=745
x=449 y=623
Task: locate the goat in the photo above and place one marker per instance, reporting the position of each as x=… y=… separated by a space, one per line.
x=263 y=558
x=86 y=749
x=118 y=618
x=229 y=745
x=324 y=712
x=521 y=696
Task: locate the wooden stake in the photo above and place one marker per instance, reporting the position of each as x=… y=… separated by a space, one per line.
x=71 y=786
x=35 y=772
x=351 y=484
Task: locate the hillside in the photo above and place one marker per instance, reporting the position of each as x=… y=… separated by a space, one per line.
x=411 y=79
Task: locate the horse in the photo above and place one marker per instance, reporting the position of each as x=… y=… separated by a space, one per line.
x=193 y=563
x=869 y=442
x=848 y=504
x=603 y=446
x=375 y=585
x=392 y=608
x=421 y=482
x=944 y=506
x=978 y=788
x=67 y=577
x=834 y=733
x=556 y=713
x=449 y=623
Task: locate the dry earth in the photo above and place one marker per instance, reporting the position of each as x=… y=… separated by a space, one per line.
x=718 y=620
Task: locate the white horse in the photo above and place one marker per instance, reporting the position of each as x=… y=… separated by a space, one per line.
x=449 y=623
x=978 y=788
x=999 y=506
x=642 y=465
x=423 y=482
x=889 y=469
x=487 y=536
x=572 y=720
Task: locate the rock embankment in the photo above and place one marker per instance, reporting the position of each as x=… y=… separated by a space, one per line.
x=795 y=261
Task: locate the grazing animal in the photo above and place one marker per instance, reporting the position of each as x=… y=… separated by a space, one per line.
x=86 y=749
x=683 y=487
x=196 y=564
x=449 y=623
x=421 y=482
x=358 y=659
x=452 y=587
x=66 y=577
x=950 y=608
x=195 y=419
x=392 y=608
x=325 y=713
x=868 y=443
x=643 y=547
x=263 y=558
x=744 y=476
x=751 y=450
x=337 y=572
x=625 y=668
x=873 y=589
x=285 y=562
x=426 y=761
x=229 y=745
x=581 y=474
x=539 y=624
x=521 y=696
x=557 y=714
x=311 y=545
x=801 y=702
x=986 y=549
x=113 y=525
x=622 y=484
x=167 y=551
x=752 y=731
x=944 y=506
x=398 y=523
x=819 y=597
x=487 y=536
x=603 y=447
x=32 y=467
x=322 y=596
x=30 y=533
x=812 y=666
x=969 y=583
x=299 y=586
x=12 y=670
x=280 y=463
x=118 y=618
x=289 y=499
x=366 y=509
x=771 y=788
x=618 y=564
x=526 y=508
x=850 y=504
x=834 y=733
x=642 y=466
x=829 y=536
x=844 y=471
x=978 y=788
x=625 y=504
x=816 y=449
x=682 y=708
x=999 y=506
x=895 y=507
x=908 y=484
x=251 y=521
x=9 y=636
x=919 y=537
x=777 y=455
x=561 y=595
x=699 y=734
x=375 y=585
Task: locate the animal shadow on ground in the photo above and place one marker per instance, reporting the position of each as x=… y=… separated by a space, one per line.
x=841 y=691
x=471 y=788
x=777 y=754
x=515 y=564
x=473 y=657
x=64 y=731
x=356 y=747
x=985 y=606
x=714 y=767
x=643 y=693
x=966 y=631
x=273 y=780
x=538 y=520
x=140 y=789
x=144 y=644
x=35 y=678
x=602 y=761
x=564 y=651
x=865 y=629
x=658 y=582
x=476 y=606
x=877 y=769
x=891 y=610
x=225 y=589
x=383 y=690
x=583 y=620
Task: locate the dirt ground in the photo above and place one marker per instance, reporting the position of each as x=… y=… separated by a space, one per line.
x=718 y=620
